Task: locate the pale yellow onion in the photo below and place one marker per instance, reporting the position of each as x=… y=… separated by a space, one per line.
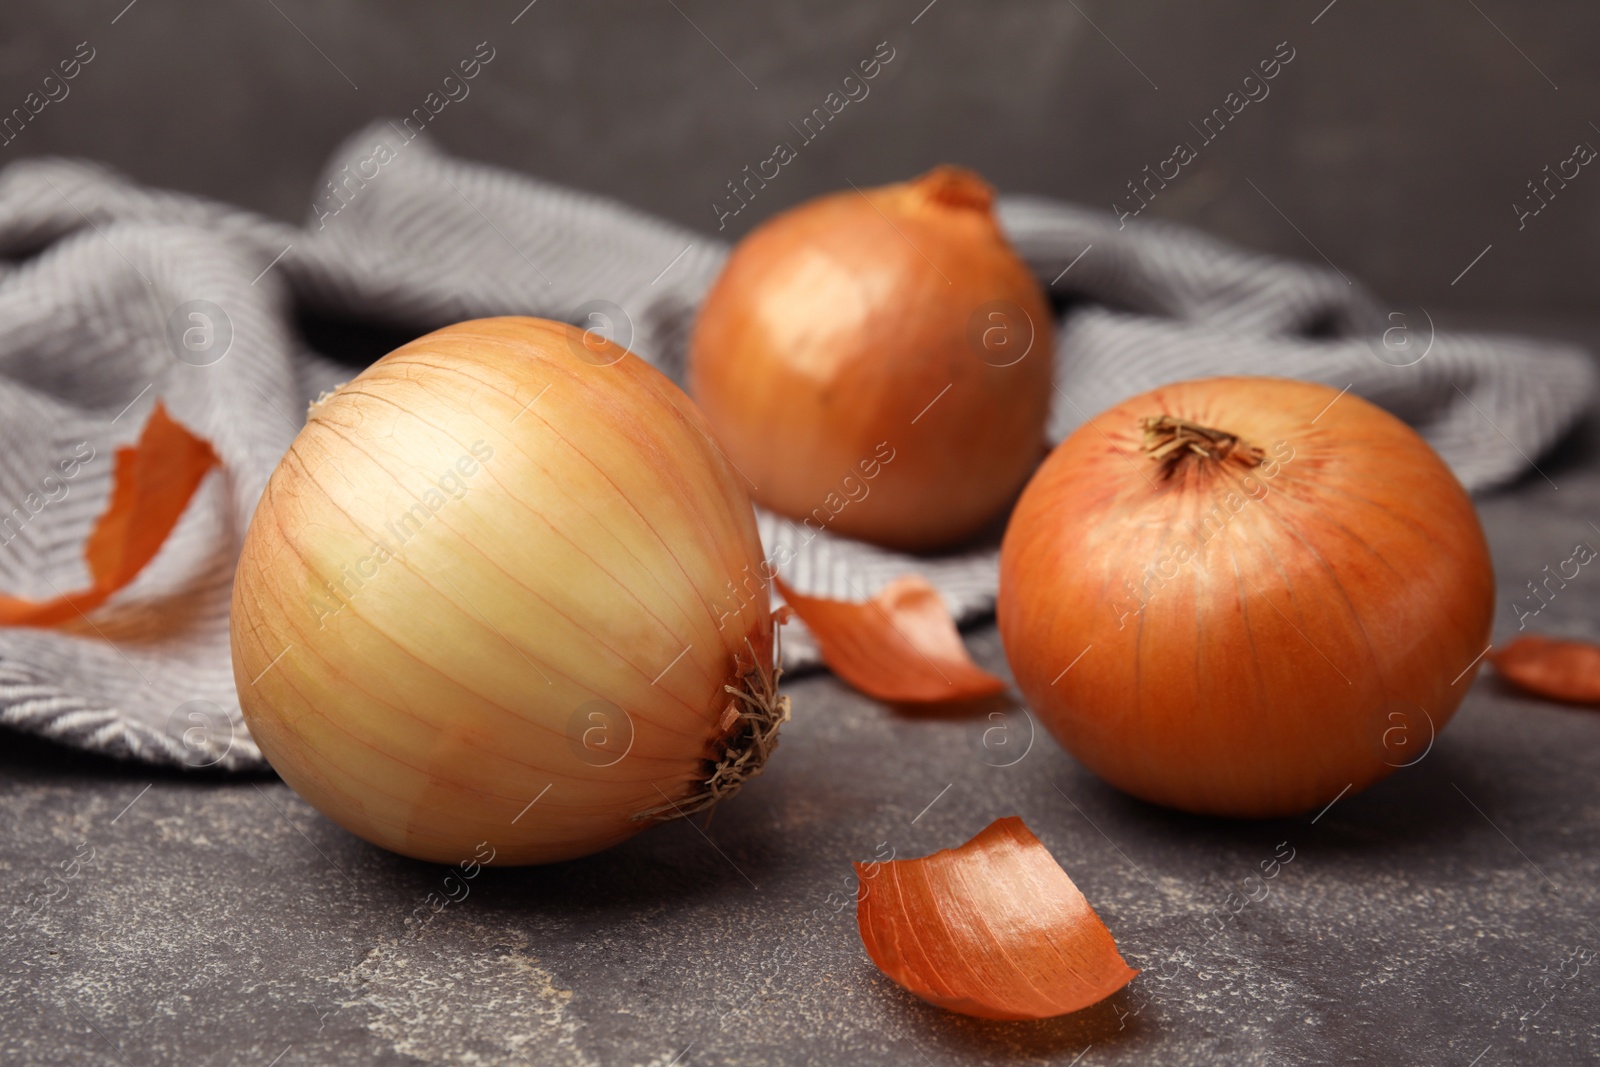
x=556 y=629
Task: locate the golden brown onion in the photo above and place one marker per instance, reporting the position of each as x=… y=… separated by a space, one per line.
x=480 y=601
x=1243 y=596
x=878 y=362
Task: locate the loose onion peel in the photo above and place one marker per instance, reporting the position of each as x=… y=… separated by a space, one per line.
x=901 y=645
x=477 y=601
x=152 y=484
x=1551 y=668
x=994 y=929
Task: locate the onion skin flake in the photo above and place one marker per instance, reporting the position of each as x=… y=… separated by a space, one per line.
x=152 y=485
x=1568 y=671
x=900 y=646
x=994 y=929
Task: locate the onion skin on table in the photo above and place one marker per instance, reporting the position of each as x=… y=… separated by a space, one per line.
x=889 y=322
x=902 y=645
x=994 y=929
x=1243 y=596
x=481 y=601
x=1568 y=671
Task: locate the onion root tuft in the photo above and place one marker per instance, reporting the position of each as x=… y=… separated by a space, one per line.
x=754 y=716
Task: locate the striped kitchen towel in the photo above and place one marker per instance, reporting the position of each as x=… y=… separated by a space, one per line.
x=99 y=278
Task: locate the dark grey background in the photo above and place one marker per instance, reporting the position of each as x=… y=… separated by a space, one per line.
x=1432 y=919
x=1397 y=140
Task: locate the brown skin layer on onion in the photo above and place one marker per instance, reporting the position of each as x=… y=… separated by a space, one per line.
x=878 y=362
x=1277 y=592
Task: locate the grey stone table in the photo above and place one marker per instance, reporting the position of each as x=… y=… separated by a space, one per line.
x=1442 y=917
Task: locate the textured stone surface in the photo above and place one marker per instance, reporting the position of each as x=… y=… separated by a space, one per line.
x=1432 y=919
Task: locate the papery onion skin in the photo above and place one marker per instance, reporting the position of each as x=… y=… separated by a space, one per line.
x=852 y=328
x=901 y=646
x=993 y=929
x=154 y=481
x=1551 y=668
x=1282 y=643
x=542 y=658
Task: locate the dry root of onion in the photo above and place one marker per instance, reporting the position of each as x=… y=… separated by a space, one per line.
x=152 y=484
x=994 y=928
x=477 y=602
x=901 y=645
x=895 y=321
x=1223 y=594
x=1550 y=668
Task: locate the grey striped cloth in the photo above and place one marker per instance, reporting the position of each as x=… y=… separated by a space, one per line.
x=99 y=277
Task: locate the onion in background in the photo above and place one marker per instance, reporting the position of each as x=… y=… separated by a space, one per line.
x=880 y=362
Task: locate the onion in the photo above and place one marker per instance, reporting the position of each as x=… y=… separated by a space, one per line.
x=479 y=602
x=878 y=363
x=1243 y=596
x=994 y=928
